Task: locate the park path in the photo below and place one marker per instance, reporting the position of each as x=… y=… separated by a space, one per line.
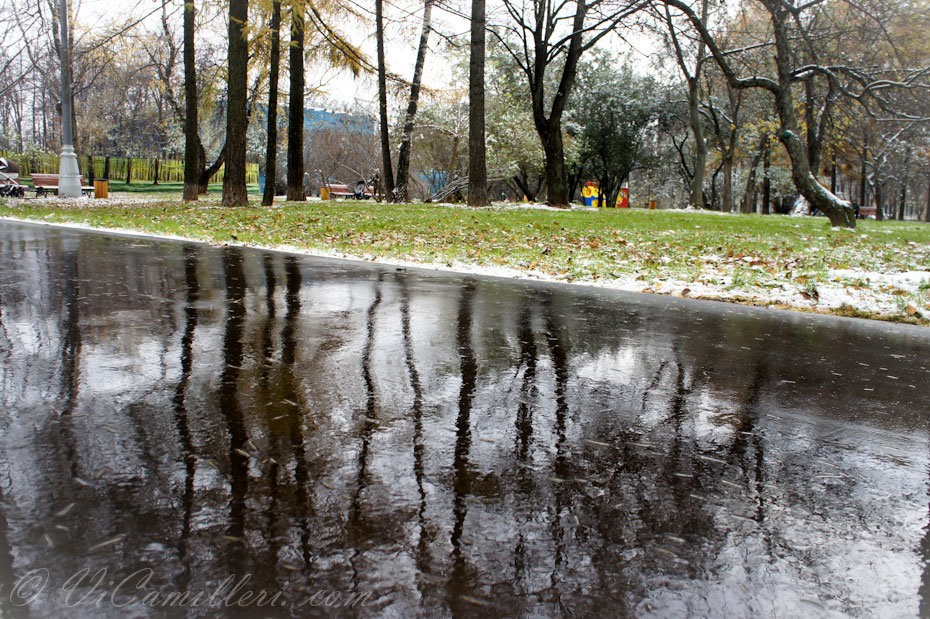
x=348 y=439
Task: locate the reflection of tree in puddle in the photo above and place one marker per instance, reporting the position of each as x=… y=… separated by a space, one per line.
x=448 y=445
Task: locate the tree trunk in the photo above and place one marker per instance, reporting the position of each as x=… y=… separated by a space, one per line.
x=879 y=207
x=767 y=182
x=387 y=171
x=192 y=161
x=557 y=194
x=904 y=180
x=157 y=162
x=452 y=158
x=863 y=179
x=234 y=189
x=748 y=203
x=106 y=168
x=271 y=150
x=477 y=147
x=550 y=129
x=207 y=173
x=523 y=184
x=128 y=170
x=833 y=173
x=401 y=192
x=90 y=169
x=726 y=200
x=295 y=112
x=696 y=197
x=839 y=212
x=927 y=209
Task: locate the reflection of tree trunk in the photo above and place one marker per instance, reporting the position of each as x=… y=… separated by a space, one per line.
x=468 y=368
x=293 y=284
x=423 y=542
x=559 y=357
x=229 y=395
x=180 y=408
x=7 y=575
x=748 y=432
x=528 y=388
x=71 y=342
x=267 y=350
x=271 y=283
x=357 y=528
x=924 y=590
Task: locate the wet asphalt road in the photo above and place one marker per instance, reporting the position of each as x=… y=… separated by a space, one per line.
x=259 y=434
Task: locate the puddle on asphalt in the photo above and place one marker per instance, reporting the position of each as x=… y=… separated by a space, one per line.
x=190 y=430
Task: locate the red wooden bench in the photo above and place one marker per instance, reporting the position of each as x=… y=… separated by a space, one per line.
x=48 y=183
x=340 y=191
x=344 y=191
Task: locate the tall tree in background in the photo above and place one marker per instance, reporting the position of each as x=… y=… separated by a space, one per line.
x=237 y=120
x=872 y=85
x=403 y=158
x=695 y=118
x=295 y=112
x=271 y=151
x=550 y=37
x=387 y=172
x=477 y=152
x=191 y=132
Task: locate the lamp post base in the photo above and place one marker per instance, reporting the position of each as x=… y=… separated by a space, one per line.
x=69 y=175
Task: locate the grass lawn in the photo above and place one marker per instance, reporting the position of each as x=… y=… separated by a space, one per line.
x=881 y=269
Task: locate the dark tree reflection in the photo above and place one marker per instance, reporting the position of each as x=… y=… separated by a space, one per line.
x=455 y=446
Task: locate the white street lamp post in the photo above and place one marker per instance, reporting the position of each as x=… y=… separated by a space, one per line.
x=69 y=176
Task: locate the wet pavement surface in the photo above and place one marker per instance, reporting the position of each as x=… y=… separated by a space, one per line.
x=203 y=431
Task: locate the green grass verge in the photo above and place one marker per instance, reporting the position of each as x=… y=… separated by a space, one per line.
x=728 y=251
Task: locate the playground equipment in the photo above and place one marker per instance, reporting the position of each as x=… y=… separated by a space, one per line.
x=591 y=196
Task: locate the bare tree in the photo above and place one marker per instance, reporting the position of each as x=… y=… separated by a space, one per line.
x=234 y=189
x=295 y=111
x=403 y=158
x=477 y=150
x=551 y=37
x=692 y=75
x=192 y=167
x=387 y=172
x=271 y=150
